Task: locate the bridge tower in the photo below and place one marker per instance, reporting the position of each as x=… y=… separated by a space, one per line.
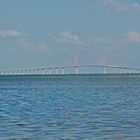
x=76 y=66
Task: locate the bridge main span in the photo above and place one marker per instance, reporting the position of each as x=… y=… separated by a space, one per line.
x=106 y=69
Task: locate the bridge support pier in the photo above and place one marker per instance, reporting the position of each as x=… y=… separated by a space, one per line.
x=104 y=70
x=56 y=70
x=63 y=70
x=50 y=71
x=76 y=70
x=130 y=71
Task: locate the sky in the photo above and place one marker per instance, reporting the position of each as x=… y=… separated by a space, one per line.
x=41 y=33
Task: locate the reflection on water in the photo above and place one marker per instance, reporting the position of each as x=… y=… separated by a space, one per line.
x=88 y=107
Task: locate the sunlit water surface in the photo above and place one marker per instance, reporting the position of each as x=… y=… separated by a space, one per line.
x=82 y=107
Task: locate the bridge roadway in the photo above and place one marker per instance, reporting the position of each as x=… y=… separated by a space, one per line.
x=61 y=70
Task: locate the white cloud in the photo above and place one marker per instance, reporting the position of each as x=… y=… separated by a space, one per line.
x=105 y=45
x=23 y=41
x=133 y=36
x=118 y=5
x=103 y=41
x=102 y=45
x=69 y=38
x=32 y=46
x=10 y=33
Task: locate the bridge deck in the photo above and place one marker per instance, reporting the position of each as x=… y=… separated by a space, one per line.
x=61 y=69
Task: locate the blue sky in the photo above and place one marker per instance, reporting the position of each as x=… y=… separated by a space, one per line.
x=36 y=33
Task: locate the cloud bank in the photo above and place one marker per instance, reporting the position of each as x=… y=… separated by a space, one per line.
x=132 y=36
x=10 y=33
x=118 y=5
x=23 y=41
x=67 y=37
x=71 y=39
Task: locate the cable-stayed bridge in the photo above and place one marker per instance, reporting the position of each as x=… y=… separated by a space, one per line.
x=57 y=70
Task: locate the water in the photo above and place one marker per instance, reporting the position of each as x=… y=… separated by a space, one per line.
x=82 y=107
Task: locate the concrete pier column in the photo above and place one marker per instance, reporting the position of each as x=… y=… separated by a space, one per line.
x=126 y=70
x=76 y=70
x=50 y=71
x=130 y=71
x=104 y=70
x=116 y=70
x=45 y=71
x=121 y=71
x=56 y=70
x=63 y=70
x=42 y=71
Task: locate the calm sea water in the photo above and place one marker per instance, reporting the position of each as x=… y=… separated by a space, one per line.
x=72 y=107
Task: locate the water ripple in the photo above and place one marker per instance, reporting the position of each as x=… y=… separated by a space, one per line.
x=70 y=108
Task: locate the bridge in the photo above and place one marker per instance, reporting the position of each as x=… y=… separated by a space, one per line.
x=55 y=70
